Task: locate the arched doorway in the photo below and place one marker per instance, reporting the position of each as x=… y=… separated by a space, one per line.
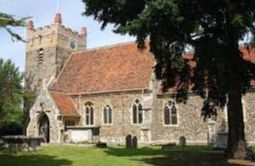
x=44 y=127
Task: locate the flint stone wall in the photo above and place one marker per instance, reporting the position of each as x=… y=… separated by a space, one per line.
x=51 y=110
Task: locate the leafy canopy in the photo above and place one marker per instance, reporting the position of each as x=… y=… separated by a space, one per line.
x=11 y=93
x=7 y=21
x=213 y=28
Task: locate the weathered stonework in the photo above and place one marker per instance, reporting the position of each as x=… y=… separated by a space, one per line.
x=190 y=123
x=55 y=41
x=153 y=130
x=249 y=116
x=45 y=104
x=121 y=104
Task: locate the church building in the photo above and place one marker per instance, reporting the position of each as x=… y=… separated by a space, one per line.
x=109 y=93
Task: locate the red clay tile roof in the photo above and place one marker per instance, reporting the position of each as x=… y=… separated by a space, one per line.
x=65 y=104
x=122 y=67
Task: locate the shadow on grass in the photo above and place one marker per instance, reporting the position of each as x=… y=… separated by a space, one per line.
x=189 y=160
x=123 y=152
x=32 y=160
x=175 y=156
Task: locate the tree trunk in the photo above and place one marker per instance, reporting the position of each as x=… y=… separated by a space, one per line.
x=26 y=121
x=236 y=136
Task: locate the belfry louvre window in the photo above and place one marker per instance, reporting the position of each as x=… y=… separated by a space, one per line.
x=40 y=55
x=170 y=113
x=89 y=113
x=107 y=114
x=137 y=110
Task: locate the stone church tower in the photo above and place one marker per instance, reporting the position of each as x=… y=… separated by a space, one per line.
x=47 y=49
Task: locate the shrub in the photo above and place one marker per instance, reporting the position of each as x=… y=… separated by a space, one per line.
x=12 y=128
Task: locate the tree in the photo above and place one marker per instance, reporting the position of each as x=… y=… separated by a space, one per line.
x=7 y=21
x=212 y=29
x=11 y=94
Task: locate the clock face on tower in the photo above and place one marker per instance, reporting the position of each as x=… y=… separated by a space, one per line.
x=72 y=44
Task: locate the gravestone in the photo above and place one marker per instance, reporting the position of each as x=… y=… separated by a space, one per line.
x=129 y=143
x=182 y=141
x=135 y=142
x=221 y=140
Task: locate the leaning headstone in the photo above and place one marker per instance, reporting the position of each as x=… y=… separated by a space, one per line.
x=182 y=141
x=135 y=143
x=129 y=141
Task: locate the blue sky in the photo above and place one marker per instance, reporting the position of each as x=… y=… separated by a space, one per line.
x=42 y=13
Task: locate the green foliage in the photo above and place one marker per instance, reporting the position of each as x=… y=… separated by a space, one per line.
x=11 y=93
x=212 y=28
x=7 y=21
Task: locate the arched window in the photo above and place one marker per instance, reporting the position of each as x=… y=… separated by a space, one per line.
x=40 y=54
x=107 y=114
x=89 y=108
x=170 y=113
x=137 y=112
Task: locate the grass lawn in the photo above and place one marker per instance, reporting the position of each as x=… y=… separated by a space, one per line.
x=117 y=156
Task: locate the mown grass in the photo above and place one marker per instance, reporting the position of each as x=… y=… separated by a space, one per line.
x=116 y=156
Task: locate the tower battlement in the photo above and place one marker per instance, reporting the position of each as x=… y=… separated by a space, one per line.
x=47 y=49
x=52 y=34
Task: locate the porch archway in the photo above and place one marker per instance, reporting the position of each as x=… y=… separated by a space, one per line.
x=44 y=127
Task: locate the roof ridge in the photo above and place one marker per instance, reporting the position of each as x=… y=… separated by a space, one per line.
x=115 y=45
x=122 y=44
